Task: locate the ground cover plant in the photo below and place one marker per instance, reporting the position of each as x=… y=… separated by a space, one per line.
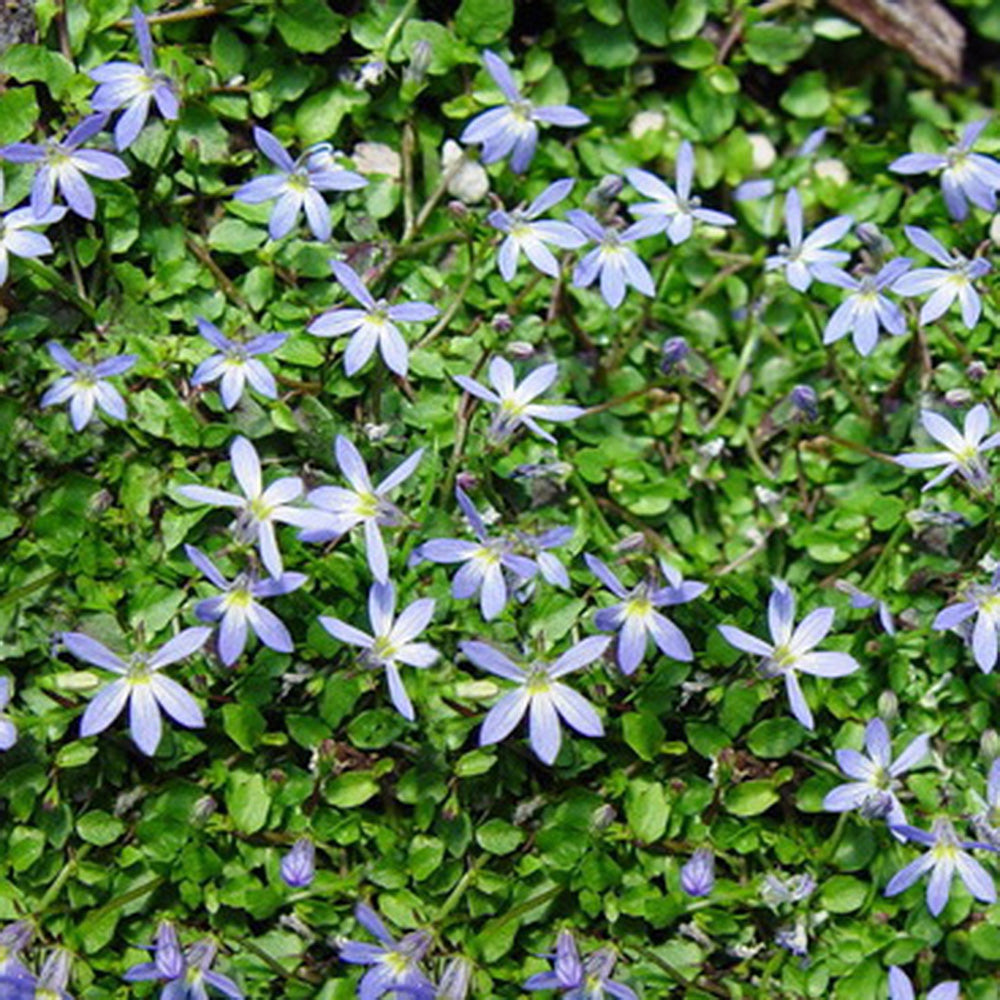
x=496 y=501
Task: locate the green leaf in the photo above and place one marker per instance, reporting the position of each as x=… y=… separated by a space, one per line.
x=235 y=236
x=99 y=828
x=309 y=25
x=808 y=96
x=750 y=798
x=484 y=22
x=606 y=11
x=26 y=63
x=644 y=734
x=607 y=48
x=18 y=114
x=350 y=790
x=243 y=724
x=248 y=801
x=843 y=894
x=497 y=836
x=775 y=737
x=649 y=20
x=687 y=19
x=646 y=810
x=424 y=856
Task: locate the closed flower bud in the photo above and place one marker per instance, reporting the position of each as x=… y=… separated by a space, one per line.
x=698 y=875
x=888 y=706
x=675 y=350
x=958 y=397
x=976 y=371
x=603 y=817
x=298 y=866
x=420 y=61
x=873 y=240
x=609 y=188
x=803 y=398
x=502 y=323
x=989 y=744
x=456 y=979
x=521 y=350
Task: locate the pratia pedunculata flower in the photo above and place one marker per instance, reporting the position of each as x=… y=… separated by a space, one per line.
x=259 y=509
x=963 y=450
x=485 y=561
x=636 y=619
x=511 y=128
x=16 y=233
x=965 y=176
x=238 y=608
x=392 y=963
x=672 y=211
x=698 y=874
x=875 y=774
x=803 y=254
x=791 y=652
x=373 y=324
x=392 y=640
x=866 y=309
x=50 y=984
x=142 y=685
x=297 y=186
x=298 y=866
x=64 y=164
x=526 y=233
x=945 y=857
x=8 y=733
x=187 y=974
x=953 y=280
x=589 y=979
x=344 y=509
x=14 y=938
x=515 y=401
x=168 y=962
x=549 y=566
x=900 y=987
x=540 y=693
x=86 y=385
x=984 y=602
x=612 y=260
x=236 y=363
x=125 y=85
x=987 y=820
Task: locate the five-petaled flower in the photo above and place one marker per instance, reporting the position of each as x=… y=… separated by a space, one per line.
x=393 y=963
x=391 y=641
x=612 y=261
x=636 y=619
x=85 y=385
x=589 y=979
x=790 y=652
x=64 y=164
x=900 y=987
x=672 y=211
x=142 y=684
x=540 y=693
x=803 y=254
x=511 y=129
x=373 y=324
x=875 y=775
x=236 y=363
x=297 y=186
x=953 y=280
x=514 y=402
x=188 y=974
x=343 y=509
x=963 y=450
x=259 y=509
x=965 y=176
x=945 y=857
x=238 y=608
x=866 y=309
x=984 y=602
x=485 y=561
x=526 y=233
x=125 y=85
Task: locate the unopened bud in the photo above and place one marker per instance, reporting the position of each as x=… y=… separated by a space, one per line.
x=888 y=706
x=989 y=744
x=420 y=61
x=803 y=398
x=698 y=875
x=675 y=350
x=976 y=371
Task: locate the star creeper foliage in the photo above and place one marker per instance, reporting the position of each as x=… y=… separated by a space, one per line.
x=792 y=652
x=512 y=129
x=900 y=987
x=963 y=451
x=526 y=233
x=259 y=509
x=485 y=561
x=672 y=210
x=236 y=363
x=392 y=963
x=297 y=186
x=237 y=608
x=86 y=386
x=875 y=774
x=636 y=619
x=953 y=280
x=64 y=164
x=134 y=88
x=965 y=176
x=140 y=684
x=391 y=641
x=540 y=693
x=612 y=261
x=372 y=325
x=946 y=856
x=866 y=309
x=514 y=402
x=343 y=509
x=802 y=255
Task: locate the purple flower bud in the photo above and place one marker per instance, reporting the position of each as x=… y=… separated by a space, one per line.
x=873 y=240
x=803 y=398
x=675 y=350
x=976 y=371
x=609 y=188
x=698 y=875
x=298 y=866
